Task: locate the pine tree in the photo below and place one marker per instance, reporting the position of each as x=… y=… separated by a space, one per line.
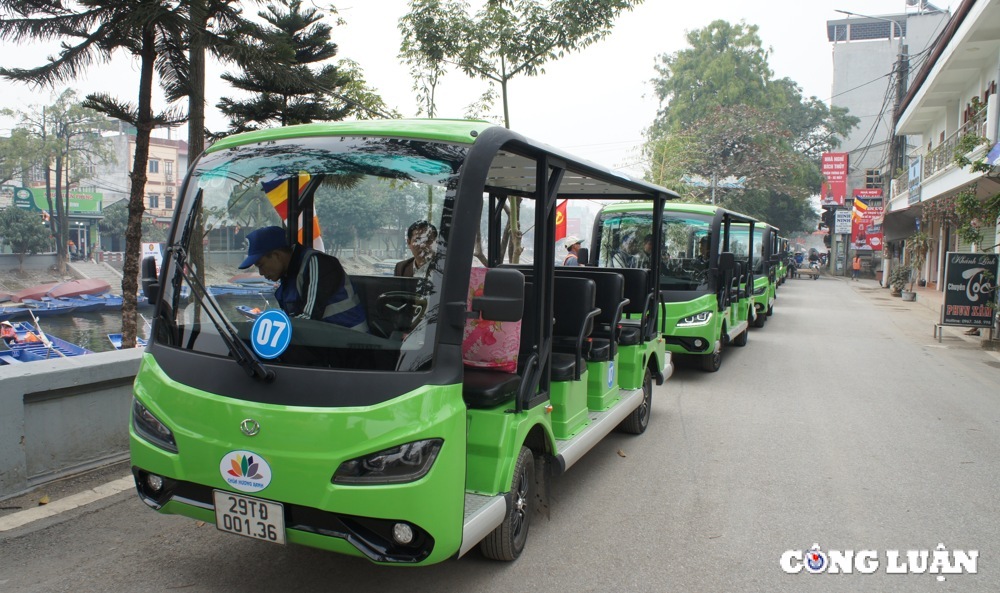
x=287 y=90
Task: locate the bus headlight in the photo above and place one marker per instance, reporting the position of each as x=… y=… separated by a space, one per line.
x=404 y=463
x=759 y=291
x=150 y=428
x=696 y=320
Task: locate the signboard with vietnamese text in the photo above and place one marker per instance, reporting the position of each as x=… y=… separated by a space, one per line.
x=833 y=192
x=79 y=202
x=842 y=222
x=866 y=234
x=970 y=281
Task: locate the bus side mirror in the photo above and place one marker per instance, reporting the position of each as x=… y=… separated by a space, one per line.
x=583 y=256
x=150 y=283
x=503 y=295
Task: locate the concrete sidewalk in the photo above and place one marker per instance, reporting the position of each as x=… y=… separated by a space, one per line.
x=927 y=307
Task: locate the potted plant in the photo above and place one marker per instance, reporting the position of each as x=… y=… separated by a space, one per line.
x=917 y=247
x=898 y=278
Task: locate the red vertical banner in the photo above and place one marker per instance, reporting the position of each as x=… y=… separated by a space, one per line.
x=833 y=165
x=865 y=234
x=561 y=221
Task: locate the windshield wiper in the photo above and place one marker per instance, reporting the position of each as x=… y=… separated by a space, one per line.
x=244 y=356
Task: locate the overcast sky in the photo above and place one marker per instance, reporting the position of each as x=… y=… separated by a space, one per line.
x=595 y=103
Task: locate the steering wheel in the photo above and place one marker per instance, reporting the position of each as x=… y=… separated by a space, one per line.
x=404 y=310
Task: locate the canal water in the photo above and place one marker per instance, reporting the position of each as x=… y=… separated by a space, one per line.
x=89 y=329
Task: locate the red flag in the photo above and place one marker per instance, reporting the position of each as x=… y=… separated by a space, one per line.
x=561 y=221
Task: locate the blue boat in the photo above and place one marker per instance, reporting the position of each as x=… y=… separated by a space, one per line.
x=29 y=344
x=249 y=312
x=116 y=341
x=82 y=305
x=47 y=308
x=12 y=312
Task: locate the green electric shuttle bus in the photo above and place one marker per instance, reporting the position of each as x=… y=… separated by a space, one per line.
x=781 y=269
x=765 y=261
x=705 y=276
x=432 y=426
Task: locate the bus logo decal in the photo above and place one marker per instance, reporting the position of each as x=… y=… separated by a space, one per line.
x=250 y=427
x=245 y=471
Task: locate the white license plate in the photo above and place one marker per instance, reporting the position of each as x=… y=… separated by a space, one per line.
x=249 y=517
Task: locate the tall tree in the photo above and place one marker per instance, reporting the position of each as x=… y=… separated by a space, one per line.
x=504 y=40
x=722 y=114
x=65 y=137
x=18 y=153
x=286 y=89
x=149 y=31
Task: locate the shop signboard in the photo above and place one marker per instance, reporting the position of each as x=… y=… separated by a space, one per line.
x=79 y=202
x=842 y=222
x=22 y=198
x=914 y=179
x=833 y=165
x=866 y=234
x=970 y=282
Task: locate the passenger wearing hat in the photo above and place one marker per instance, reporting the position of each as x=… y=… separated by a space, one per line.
x=573 y=247
x=313 y=285
x=7 y=332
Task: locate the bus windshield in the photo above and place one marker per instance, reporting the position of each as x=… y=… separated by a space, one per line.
x=684 y=255
x=365 y=194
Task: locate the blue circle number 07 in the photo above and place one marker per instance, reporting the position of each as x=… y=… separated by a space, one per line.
x=271 y=334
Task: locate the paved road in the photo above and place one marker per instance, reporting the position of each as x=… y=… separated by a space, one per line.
x=842 y=423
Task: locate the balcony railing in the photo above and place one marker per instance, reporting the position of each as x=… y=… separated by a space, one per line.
x=942 y=156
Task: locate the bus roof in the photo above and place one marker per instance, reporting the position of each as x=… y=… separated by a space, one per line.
x=460 y=131
x=508 y=171
x=706 y=209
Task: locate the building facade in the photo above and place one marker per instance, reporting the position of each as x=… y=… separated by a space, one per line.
x=872 y=57
x=949 y=110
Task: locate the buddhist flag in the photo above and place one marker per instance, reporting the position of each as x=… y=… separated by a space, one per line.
x=277 y=194
x=561 y=221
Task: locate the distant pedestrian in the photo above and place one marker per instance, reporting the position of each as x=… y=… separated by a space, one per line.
x=855 y=267
x=572 y=245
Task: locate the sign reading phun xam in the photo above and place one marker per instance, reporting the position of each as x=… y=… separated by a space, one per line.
x=939 y=561
x=970 y=282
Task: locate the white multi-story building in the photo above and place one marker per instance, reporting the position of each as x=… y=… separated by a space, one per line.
x=952 y=95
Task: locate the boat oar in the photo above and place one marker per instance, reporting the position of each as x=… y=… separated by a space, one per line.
x=44 y=338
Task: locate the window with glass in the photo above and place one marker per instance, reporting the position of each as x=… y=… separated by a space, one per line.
x=154 y=200
x=154 y=166
x=378 y=208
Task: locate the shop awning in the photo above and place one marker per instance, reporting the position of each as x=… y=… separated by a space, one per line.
x=900 y=224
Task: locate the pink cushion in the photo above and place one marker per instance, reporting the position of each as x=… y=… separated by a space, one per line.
x=489 y=344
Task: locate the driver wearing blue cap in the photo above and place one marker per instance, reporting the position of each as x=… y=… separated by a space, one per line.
x=313 y=285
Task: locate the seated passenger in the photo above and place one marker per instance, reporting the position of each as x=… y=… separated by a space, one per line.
x=313 y=285
x=420 y=238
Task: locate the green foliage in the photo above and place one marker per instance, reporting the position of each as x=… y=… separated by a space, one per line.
x=24 y=232
x=917 y=246
x=705 y=127
x=505 y=39
x=898 y=278
x=725 y=66
x=294 y=86
x=974 y=215
x=115 y=223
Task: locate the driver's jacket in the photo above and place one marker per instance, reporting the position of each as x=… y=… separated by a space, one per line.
x=315 y=286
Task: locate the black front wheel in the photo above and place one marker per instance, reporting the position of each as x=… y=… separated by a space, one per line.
x=637 y=421
x=507 y=541
x=711 y=362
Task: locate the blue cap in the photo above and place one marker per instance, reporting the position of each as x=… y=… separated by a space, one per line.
x=263 y=241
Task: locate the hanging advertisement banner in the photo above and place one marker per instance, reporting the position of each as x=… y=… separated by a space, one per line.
x=913 y=180
x=970 y=280
x=833 y=192
x=866 y=233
